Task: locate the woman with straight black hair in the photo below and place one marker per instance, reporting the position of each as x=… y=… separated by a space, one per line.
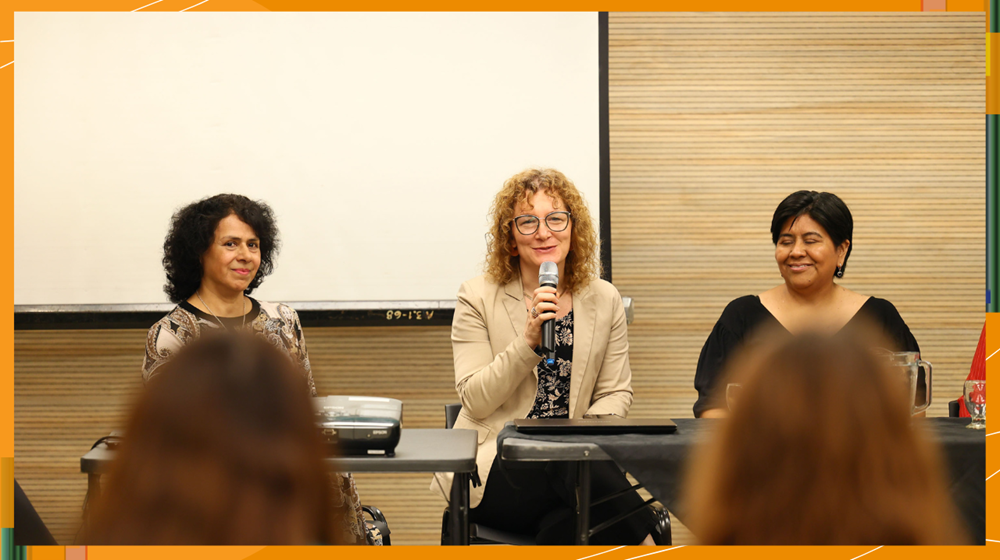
x=812 y=234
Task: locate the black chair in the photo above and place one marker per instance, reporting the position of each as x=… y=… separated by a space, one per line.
x=478 y=534
x=378 y=526
x=481 y=534
x=953 y=409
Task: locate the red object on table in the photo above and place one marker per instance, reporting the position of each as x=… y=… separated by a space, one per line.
x=976 y=372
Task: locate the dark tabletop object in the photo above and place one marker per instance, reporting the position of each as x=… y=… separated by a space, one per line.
x=419 y=450
x=657 y=461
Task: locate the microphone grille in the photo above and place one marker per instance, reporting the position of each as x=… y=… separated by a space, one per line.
x=548 y=273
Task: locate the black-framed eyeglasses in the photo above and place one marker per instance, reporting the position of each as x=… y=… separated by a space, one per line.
x=556 y=221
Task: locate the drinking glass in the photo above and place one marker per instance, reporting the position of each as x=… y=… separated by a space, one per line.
x=975 y=402
x=732 y=394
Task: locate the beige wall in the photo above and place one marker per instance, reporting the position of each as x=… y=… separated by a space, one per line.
x=714 y=119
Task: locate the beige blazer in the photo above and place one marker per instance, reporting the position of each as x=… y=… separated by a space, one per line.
x=495 y=370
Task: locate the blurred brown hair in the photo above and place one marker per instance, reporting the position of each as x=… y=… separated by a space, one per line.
x=221 y=448
x=820 y=449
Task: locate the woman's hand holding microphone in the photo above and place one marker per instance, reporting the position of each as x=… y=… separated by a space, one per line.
x=543 y=307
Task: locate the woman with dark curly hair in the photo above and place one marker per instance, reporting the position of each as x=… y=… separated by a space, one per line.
x=217 y=251
x=539 y=216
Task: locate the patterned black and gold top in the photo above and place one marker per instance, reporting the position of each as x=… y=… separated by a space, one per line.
x=278 y=324
x=552 y=399
x=275 y=322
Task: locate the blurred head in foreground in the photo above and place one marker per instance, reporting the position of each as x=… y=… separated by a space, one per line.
x=221 y=448
x=820 y=449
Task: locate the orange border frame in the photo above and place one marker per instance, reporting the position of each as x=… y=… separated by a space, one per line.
x=269 y=552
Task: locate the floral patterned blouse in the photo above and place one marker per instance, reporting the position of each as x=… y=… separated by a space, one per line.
x=552 y=399
x=278 y=324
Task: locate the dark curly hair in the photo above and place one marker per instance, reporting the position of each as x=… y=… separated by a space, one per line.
x=192 y=230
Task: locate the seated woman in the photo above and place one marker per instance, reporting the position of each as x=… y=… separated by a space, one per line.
x=221 y=449
x=820 y=449
x=540 y=216
x=218 y=250
x=812 y=234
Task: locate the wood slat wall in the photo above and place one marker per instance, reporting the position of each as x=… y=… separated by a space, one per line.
x=717 y=117
x=72 y=387
x=714 y=119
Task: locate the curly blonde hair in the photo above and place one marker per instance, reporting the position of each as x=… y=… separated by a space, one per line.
x=582 y=262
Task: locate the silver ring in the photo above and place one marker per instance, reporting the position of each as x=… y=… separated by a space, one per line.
x=534 y=313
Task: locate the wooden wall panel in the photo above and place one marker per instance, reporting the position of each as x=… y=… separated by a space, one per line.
x=714 y=119
x=72 y=387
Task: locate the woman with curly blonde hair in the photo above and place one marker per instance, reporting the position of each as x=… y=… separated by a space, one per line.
x=582 y=262
x=539 y=216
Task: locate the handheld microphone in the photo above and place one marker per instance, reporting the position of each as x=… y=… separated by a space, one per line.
x=548 y=275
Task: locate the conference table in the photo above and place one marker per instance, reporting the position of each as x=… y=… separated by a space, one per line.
x=657 y=462
x=419 y=450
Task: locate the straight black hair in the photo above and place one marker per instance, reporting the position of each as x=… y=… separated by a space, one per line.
x=828 y=211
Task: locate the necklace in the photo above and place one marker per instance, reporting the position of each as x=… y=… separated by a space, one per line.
x=221 y=324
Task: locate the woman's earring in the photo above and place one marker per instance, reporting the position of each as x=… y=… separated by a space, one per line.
x=840 y=272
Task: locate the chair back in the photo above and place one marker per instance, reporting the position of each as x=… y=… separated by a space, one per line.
x=451 y=414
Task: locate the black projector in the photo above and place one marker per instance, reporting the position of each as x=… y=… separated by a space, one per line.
x=359 y=425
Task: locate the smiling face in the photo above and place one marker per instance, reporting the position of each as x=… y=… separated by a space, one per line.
x=544 y=245
x=231 y=262
x=806 y=256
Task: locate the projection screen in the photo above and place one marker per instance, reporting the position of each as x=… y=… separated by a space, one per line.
x=379 y=139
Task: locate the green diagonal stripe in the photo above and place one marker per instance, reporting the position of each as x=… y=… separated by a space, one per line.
x=992 y=190
x=7 y=544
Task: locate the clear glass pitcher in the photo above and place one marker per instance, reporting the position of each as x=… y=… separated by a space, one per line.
x=909 y=364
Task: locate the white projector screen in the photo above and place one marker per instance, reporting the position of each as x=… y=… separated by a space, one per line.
x=379 y=139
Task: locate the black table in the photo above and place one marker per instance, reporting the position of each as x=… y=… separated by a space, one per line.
x=427 y=451
x=657 y=462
